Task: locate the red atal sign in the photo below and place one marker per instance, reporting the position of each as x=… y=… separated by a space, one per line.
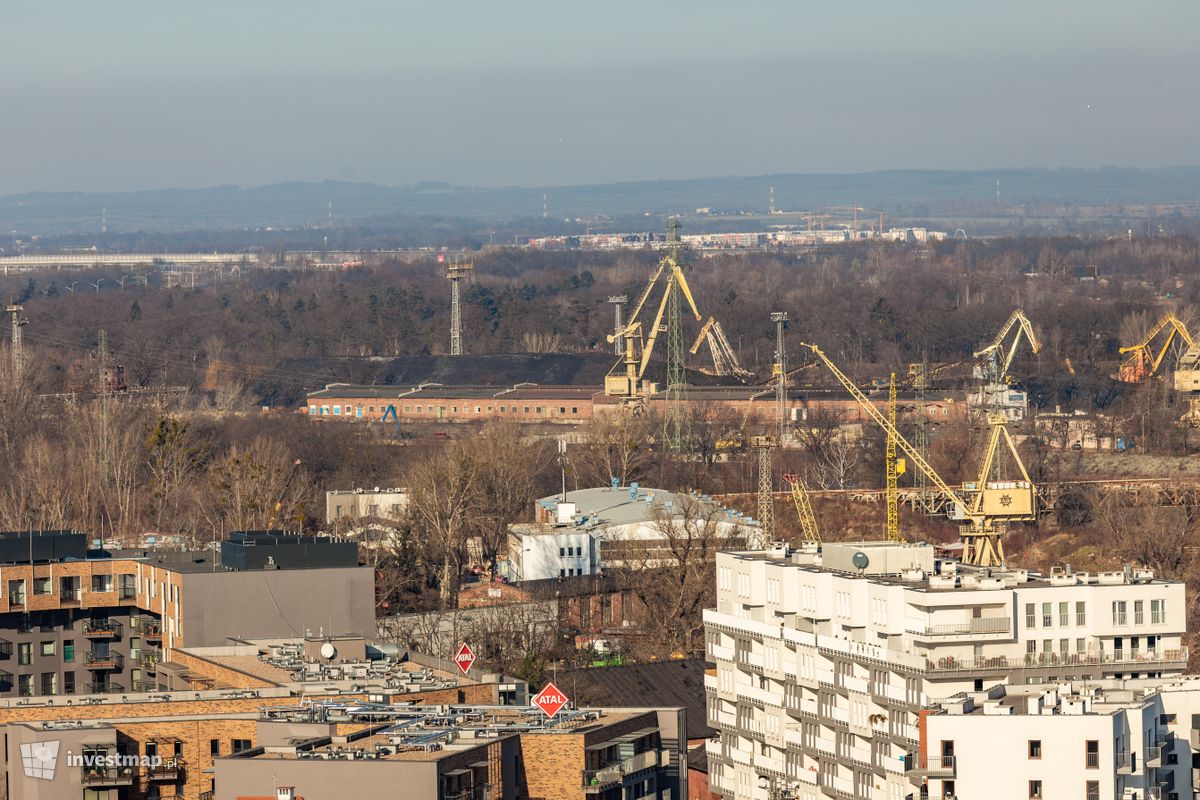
x=550 y=700
x=464 y=658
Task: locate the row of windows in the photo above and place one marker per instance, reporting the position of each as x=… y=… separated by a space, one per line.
x=357 y=411
x=69 y=587
x=564 y=552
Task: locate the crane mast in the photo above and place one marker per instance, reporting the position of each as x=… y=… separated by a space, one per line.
x=1142 y=362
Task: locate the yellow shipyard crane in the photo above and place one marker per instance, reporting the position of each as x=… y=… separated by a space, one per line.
x=1142 y=362
x=984 y=507
x=893 y=468
x=808 y=520
x=996 y=360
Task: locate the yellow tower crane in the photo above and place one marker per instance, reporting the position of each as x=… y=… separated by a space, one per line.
x=893 y=467
x=1142 y=362
x=988 y=506
x=808 y=520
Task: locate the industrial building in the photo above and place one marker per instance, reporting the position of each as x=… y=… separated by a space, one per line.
x=586 y=531
x=827 y=661
x=331 y=751
x=575 y=404
x=78 y=621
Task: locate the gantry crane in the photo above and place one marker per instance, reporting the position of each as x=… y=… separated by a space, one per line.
x=639 y=345
x=804 y=510
x=1142 y=362
x=987 y=506
x=995 y=360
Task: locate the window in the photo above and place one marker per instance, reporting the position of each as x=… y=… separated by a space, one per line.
x=337 y=411
x=151 y=749
x=1030 y=615
x=68 y=650
x=1047 y=616
x=1064 y=646
x=49 y=683
x=1138 y=618
x=1031 y=646
x=574 y=410
x=562 y=573
x=1035 y=748
x=1118 y=611
x=562 y=551
x=16 y=593
x=1080 y=613
x=41 y=586
x=25 y=685
x=538 y=409
x=1091 y=759
x=47 y=648
x=1158 y=612
x=501 y=409
x=562 y=410
x=24 y=653
x=1035 y=790
x=1093 y=790
x=238 y=745
x=214 y=747
x=1080 y=645
x=68 y=683
x=102 y=583
x=1063 y=615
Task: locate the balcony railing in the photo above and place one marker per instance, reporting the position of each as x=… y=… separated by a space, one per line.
x=114 y=661
x=981 y=625
x=144 y=686
x=1034 y=660
x=595 y=780
x=100 y=687
x=934 y=766
x=70 y=596
x=106 y=776
x=101 y=629
x=152 y=631
x=5 y=649
x=1125 y=763
x=170 y=770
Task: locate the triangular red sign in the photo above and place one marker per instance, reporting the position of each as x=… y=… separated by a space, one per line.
x=550 y=700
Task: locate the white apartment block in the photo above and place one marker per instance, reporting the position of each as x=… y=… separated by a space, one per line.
x=826 y=661
x=1072 y=740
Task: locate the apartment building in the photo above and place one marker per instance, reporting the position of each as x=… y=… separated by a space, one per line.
x=825 y=660
x=1074 y=739
x=164 y=745
x=77 y=621
x=588 y=530
x=336 y=750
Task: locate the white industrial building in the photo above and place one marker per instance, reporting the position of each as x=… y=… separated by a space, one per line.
x=830 y=665
x=588 y=530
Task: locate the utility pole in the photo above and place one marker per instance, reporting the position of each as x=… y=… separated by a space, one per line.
x=18 y=353
x=761 y=445
x=779 y=372
x=675 y=431
x=103 y=386
x=618 y=302
x=456 y=272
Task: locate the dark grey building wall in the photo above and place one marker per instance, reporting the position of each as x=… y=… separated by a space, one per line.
x=276 y=603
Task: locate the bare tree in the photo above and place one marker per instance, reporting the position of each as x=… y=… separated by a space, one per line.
x=444 y=492
x=674 y=576
x=616 y=445
x=508 y=467
x=256 y=486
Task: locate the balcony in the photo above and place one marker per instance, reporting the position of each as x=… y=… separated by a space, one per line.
x=171 y=769
x=5 y=649
x=144 y=686
x=106 y=776
x=1126 y=763
x=152 y=631
x=101 y=629
x=981 y=626
x=101 y=687
x=1134 y=660
x=598 y=779
x=148 y=660
x=101 y=661
x=929 y=766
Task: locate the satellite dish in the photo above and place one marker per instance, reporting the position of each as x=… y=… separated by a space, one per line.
x=860 y=560
x=328 y=651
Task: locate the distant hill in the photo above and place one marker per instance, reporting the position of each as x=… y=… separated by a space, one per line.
x=299 y=204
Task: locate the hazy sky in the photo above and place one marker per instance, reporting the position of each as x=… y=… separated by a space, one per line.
x=127 y=94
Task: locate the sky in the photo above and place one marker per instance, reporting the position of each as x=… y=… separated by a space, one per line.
x=129 y=95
